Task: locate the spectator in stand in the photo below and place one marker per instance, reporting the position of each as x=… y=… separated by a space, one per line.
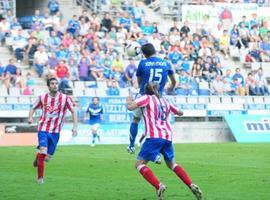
x=113 y=89
x=31 y=49
x=218 y=86
x=73 y=25
x=196 y=72
x=41 y=60
x=240 y=82
x=138 y=14
x=261 y=83
x=53 y=41
x=117 y=68
x=235 y=37
x=10 y=71
x=67 y=40
x=19 y=43
x=14 y=24
x=227 y=87
x=237 y=88
x=147 y=28
x=254 y=21
x=174 y=27
x=125 y=21
x=47 y=22
x=85 y=16
x=95 y=22
x=62 y=53
x=250 y=85
x=84 y=66
x=182 y=83
x=62 y=71
x=185 y=29
x=208 y=73
x=4 y=29
x=175 y=56
x=19 y=80
x=73 y=70
x=263 y=29
x=224 y=43
x=53 y=6
x=84 y=27
x=254 y=54
x=37 y=17
x=244 y=35
x=264 y=46
x=130 y=71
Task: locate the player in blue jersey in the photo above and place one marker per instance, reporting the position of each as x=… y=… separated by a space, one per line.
x=150 y=69
x=95 y=111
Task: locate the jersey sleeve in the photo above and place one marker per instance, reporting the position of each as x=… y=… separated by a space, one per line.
x=139 y=70
x=174 y=109
x=70 y=104
x=38 y=103
x=170 y=69
x=101 y=110
x=142 y=101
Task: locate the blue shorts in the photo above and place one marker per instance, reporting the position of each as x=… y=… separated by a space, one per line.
x=48 y=140
x=152 y=147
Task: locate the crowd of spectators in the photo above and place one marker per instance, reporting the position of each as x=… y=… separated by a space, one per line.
x=90 y=47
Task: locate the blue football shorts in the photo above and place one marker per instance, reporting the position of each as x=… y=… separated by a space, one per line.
x=48 y=140
x=152 y=147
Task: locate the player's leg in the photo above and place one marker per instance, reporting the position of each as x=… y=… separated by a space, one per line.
x=96 y=128
x=43 y=144
x=168 y=154
x=94 y=135
x=149 y=151
x=52 y=144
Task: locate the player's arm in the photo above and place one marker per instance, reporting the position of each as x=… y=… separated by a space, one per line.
x=174 y=109
x=71 y=107
x=139 y=73
x=138 y=103
x=36 y=105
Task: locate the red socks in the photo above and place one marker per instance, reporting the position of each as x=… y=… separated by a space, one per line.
x=180 y=172
x=149 y=176
x=40 y=164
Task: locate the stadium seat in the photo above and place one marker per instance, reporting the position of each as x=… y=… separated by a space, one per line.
x=250 y=100
x=226 y=99
x=90 y=84
x=124 y=92
x=2 y=100
x=267 y=99
x=258 y=100
x=91 y=92
x=39 y=90
x=180 y=100
x=215 y=99
x=192 y=100
x=14 y=91
x=238 y=99
x=24 y=100
x=102 y=85
x=12 y=100
x=181 y=92
x=255 y=66
x=78 y=92
x=202 y=100
x=101 y=92
x=3 y=91
x=79 y=85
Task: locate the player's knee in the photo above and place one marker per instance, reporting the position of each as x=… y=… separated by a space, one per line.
x=171 y=165
x=48 y=158
x=43 y=150
x=136 y=119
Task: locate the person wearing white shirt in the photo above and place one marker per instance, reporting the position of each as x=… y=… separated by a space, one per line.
x=41 y=60
x=261 y=83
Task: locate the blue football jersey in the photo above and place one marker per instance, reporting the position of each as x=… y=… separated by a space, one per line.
x=95 y=112
x=153 y=69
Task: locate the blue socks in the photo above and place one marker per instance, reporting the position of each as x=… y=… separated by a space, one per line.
x=133 y=133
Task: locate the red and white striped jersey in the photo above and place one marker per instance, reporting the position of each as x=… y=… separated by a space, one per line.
x=156 y=116
x=53 y=111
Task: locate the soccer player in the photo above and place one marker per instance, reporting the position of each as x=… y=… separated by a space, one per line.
x=95 y=111
x=158 y=133
x=151 y=69
x=54 y=106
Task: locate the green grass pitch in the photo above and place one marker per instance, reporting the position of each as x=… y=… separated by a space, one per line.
x=228 y=171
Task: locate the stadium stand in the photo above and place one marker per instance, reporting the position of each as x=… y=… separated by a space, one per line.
x=90 y=44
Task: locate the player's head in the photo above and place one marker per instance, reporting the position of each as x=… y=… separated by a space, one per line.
x=148 y=50
x=152 y=88
x=52 y=84
x=95 y=100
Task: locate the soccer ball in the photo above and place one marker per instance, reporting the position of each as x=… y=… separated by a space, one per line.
x=133 y=49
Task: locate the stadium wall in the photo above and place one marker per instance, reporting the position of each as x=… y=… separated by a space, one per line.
x=184 y=132
x=27 y=7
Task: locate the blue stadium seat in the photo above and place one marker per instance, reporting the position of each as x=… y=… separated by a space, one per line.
x=204 y=92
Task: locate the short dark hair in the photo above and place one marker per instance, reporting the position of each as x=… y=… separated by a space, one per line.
x=50 y=80
x=97 y=98
x=148 y=50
